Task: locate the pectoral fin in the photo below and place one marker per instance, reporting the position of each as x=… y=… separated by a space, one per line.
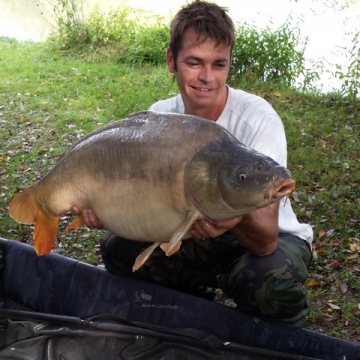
x=141 y=259
x=181 y=231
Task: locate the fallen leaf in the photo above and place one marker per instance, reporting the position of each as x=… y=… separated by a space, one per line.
x=321 y=143
x=315 y=255
x=343 y=287
x=333 y=306
x=295 y=196
x=334 y=264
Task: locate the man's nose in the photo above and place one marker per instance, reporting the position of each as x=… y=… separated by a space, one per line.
x=206 y=74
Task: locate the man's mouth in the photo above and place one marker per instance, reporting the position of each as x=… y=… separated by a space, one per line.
x=201 y=89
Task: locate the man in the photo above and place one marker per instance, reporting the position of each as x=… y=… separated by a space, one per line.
x=260 y=259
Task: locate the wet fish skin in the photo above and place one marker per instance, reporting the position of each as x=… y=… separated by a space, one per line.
x=149 y=177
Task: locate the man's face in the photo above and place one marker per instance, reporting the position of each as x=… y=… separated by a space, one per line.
x=202 y=69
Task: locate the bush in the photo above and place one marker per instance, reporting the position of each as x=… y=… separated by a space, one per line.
x=71 y=28
x=351 y=75
x=265 y=55
x=139 y=38
x=147 y=44
x=259 y=55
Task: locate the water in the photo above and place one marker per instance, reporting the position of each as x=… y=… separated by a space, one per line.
x=327 y=29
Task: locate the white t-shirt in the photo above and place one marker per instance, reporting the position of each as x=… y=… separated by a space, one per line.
x=255 y=123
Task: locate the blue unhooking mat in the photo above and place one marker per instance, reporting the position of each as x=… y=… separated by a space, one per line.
x=56 y=308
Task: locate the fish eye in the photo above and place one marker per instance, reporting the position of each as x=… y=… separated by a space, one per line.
x=242 y=173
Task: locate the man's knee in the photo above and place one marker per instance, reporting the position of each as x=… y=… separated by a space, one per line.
x=277 y=294
x=271 y=286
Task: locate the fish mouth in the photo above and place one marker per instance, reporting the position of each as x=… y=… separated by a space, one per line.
x=280 y=190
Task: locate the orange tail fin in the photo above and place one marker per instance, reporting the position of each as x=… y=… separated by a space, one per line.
x=25 y=210
x=75 y=224
x=23 y=207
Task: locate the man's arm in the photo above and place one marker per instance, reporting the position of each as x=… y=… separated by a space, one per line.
x=258 y=231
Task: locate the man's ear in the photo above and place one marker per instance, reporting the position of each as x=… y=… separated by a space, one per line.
x=170 y=61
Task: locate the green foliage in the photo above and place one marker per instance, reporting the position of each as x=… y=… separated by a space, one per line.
x=138 y=37
x=134 y=37
x=70 y=22
x=147 y=45
x=265 y=55
x=351 y=75
x=74 y=31
x=258 y=55
x=110 y=29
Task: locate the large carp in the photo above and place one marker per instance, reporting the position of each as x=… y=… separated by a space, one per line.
x=149 y=177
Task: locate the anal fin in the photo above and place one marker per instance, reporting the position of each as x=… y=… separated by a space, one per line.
x=165 y=247
x=45 y=232
x=75 y=224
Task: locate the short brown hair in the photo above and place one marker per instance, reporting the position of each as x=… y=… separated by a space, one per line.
x=207 y=19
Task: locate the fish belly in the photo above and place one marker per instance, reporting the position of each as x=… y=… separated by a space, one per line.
x=134 y=209
x=138 y=211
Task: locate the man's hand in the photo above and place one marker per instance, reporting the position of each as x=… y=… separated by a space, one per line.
x=206 y=228
x=90 y=219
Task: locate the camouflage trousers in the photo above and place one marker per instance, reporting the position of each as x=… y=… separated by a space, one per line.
x=263 y=286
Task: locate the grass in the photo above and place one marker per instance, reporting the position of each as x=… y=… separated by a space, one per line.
x=325 y=160
x=49 y=99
